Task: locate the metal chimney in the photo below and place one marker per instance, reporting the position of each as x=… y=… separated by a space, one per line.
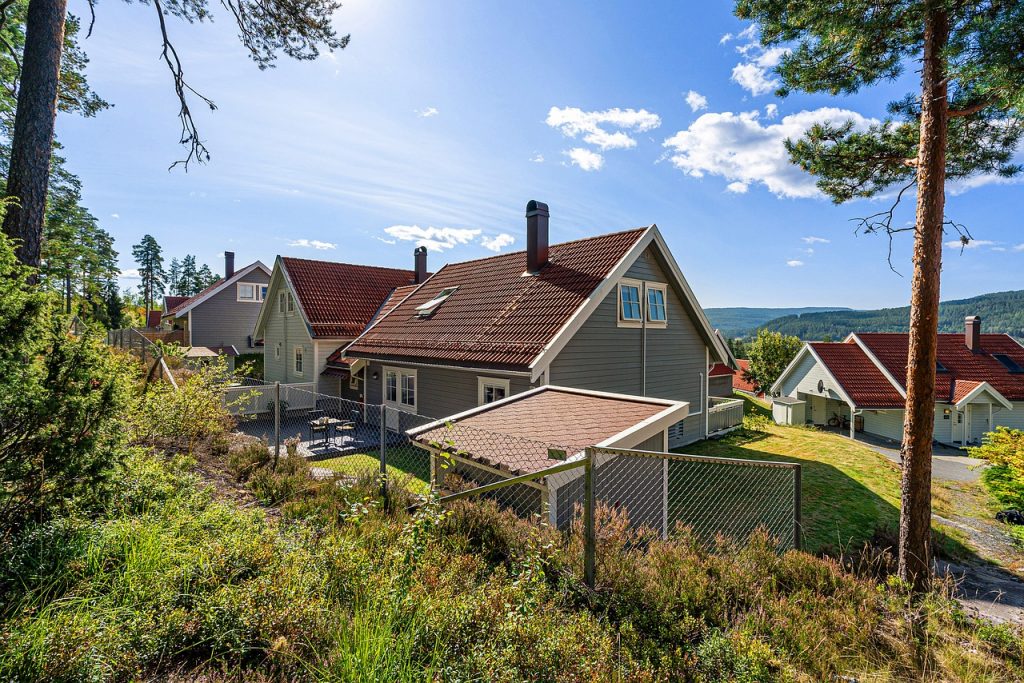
x=536 y=236
x=420 y=255
x=972 y=333
x=229 y=264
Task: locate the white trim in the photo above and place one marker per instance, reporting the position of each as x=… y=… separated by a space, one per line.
x=222 y=286
x=257 y=292
x=789 y=368
x=461 y=368
x=190 y=327
x=398 y=403
x=985 y=386
x=638 y=285
x=482 y=382
x=300 y=357
x=316 y=368
x=898 y=386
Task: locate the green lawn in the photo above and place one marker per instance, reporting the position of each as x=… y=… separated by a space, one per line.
x=848 y=491
x=407 y=466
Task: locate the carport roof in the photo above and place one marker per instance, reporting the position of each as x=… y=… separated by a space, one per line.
x=515 y=435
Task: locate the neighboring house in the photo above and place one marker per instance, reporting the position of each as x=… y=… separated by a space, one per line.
x=611 y=313
x=221 y=316
x=726 y=380
x=979 y=384
x=314 y=307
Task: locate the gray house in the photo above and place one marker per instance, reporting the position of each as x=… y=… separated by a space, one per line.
x=611 y=313
x=221 y=317
x=313 y=308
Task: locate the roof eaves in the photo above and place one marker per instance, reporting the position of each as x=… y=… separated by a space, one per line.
x=204 y=296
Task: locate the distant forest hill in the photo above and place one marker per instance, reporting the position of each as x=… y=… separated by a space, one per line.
x=999 y=311
x=744 y=322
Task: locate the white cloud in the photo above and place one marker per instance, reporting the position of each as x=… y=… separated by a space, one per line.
x=312 y=244
x=809 y=251
x=793 y=263
x=498 y=242
x=427 y=113
x=959 y=187
x=434 y=239
x=115 y=215
x=771 y=111
x=594 y=125
x=971 y=244
x=387 y=241
x=696 y=101
x=746 y=34
x=739 y=148
x=998 y=248
x=131 y=274
x=537 y=158
x=1019 y=247
x=754 y=73
x=585 y=159
x=753 y=78
x=811 y=239
x=737 y=187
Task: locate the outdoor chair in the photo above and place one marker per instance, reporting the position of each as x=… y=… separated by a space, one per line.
x=315 y=427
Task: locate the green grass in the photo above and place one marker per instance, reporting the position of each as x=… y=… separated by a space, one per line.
x=848 y=490
x=754 y=406
x=407 y=466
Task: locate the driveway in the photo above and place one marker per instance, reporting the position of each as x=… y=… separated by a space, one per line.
x=947 y=462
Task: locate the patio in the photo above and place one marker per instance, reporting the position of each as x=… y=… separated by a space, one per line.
x=357 y=436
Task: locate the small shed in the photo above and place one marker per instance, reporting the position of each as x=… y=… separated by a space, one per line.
x=537 y=429
x=789 y=411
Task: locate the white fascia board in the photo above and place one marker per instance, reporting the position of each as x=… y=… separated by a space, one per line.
x=804 y=350
x=985 y=386
x=222 y=286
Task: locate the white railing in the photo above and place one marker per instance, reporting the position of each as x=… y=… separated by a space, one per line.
x=250 y=399
x=724 y=414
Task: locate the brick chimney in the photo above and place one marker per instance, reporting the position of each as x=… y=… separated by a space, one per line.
x=229 y=264
x=420 y=255
x=972 y=333
x=536 y=236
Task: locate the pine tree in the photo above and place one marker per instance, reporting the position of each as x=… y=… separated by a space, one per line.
x=966 y=118
x=148 y=257
x=187 y=283
x=204 y=278
x=174 y=276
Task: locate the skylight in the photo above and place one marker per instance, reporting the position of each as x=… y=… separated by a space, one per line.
x=939 y=367
x=1008 y=363
x=423 y=310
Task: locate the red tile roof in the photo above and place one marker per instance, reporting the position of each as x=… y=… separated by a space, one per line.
x=962 y=387
x=720 y=370
x=858 y=376
x=515 y=436
x=497 y=317
x=961 y=363
x=740 y=381
x=339 y=299
x=172 y=302
x=153 y=318
x=336 y=358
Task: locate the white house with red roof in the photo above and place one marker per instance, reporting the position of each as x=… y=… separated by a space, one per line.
x=611 y=313
x=979 y=384
x=314 y=308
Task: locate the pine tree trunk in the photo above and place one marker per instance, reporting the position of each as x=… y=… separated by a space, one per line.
x=32 y=143
x=915 y=512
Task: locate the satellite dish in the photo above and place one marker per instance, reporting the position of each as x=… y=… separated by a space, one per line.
x=821 y=386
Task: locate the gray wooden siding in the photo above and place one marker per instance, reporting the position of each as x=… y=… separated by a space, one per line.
x=605 y=357
x=440 y=391
x=720 y=385
x=289 y=331
x=887 y=423
x=222 y=320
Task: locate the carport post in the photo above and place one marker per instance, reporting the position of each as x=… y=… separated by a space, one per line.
x=589 y=535
x=277 y=423
x=797 y=502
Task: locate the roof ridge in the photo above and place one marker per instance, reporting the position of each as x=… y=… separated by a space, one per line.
x=344 y=263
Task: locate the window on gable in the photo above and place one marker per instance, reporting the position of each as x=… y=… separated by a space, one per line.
x=263 y=292
x=629 y=303
x=250 y=291
x=657 y=308
x=291 y=303
x=1009 y=363
x=281 y=302
x=424 y=310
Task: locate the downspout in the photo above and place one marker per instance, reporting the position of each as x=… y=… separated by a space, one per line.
x=643 y=348
x=705 y=408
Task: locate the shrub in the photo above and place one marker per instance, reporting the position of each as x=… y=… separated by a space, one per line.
x=1004 y=449
x=60 y=400
x=247 y=458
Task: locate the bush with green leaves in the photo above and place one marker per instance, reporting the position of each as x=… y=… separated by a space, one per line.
x=62 y=398
x=1004 y=450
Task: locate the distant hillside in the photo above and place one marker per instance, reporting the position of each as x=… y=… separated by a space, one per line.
x=742 y=322
x=999 y=311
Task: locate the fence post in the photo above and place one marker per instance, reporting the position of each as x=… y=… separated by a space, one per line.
x=277 y=423
x=589 y=534
x=383 y=453
x=797 y=518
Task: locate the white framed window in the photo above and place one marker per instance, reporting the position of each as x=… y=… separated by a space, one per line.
x=280 y=302
x=424 y=310
x=263 y=292
x=630 y=304
x=491 y=389
x=298 y=360
x=400 y=388
x=250 y=291
x=657 y=304
x=291 y=304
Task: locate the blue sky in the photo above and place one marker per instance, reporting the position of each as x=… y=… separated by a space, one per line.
x=441 y=120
